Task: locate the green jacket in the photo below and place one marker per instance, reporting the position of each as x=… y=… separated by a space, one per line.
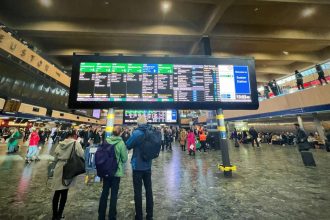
x=121 y=153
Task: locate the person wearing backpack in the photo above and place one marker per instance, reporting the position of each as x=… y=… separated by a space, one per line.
x=112 y=181
x=140 y=143
x=62 y=155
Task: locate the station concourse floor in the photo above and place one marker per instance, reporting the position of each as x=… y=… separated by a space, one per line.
x=270 y=183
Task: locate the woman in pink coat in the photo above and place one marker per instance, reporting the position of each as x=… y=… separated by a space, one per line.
x=191 y=142
x=32 y=153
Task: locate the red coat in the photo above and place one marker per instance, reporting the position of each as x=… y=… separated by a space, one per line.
x=191 y=141
x=34 y=139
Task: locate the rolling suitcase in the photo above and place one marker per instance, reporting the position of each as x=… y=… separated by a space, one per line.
x=308 y=158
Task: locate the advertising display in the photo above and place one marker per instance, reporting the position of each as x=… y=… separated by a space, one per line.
x=163 y=82
x=152 y=116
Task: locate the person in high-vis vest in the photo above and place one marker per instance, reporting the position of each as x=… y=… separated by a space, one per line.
x=202 y=139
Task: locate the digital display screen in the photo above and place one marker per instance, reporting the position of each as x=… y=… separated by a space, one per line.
x=97 y=113
x=152 y=116
x=163 y=82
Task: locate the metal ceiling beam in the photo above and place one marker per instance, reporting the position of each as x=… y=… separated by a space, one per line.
x=214 y=18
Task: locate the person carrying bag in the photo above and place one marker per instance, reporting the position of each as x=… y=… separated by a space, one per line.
x=69 y=157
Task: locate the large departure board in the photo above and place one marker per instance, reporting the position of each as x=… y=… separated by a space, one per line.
x=166 y=82
x=152 y=116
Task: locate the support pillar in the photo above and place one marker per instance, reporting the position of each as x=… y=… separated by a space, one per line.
x=300 y=122
x=110 y=122
x=226 y=167
x=319 y=127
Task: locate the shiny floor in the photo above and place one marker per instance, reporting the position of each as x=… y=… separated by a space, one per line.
x=270 y=183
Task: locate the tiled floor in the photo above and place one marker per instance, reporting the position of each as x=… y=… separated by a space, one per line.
x=270 y=183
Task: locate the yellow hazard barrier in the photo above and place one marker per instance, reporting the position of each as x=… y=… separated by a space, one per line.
x=226 y=169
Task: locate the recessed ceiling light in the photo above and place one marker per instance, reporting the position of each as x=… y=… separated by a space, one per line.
x=285 y=52
x=256 y=9
x=166 y=6
x=46 y=3
x=308 y=12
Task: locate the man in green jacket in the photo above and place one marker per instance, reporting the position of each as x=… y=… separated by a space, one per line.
x=113 y=181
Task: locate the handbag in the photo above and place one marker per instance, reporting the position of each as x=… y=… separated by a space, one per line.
x=74 y=166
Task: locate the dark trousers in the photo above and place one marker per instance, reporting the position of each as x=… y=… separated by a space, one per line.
x=254 y=139
x=163 y=145
x=300 y=85
x=59 y=208
x=183 y=147
x=113 y=183
x=138 y=177
x=325 y=80
x=203 y=146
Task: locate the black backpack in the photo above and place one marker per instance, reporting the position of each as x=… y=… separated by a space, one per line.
x=151 y=144
x=106 y=161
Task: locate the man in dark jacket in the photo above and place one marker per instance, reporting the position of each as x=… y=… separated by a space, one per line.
x=301 y=138
x=254 y=136
x=141 y=170
x=299 y=79
x=320 y=72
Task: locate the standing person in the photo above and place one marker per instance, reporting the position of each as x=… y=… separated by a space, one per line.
x=301 y=138
x=299 y=79
x=168 y=139
x=113 y=181
x=62 y=154
x=272 y=87
x=141 y=170
x=97 y=137
x=191 y=142
x=235 y=136
x=162 y=133
x=202 y=139
x=320 y=72
x=254 y=136
x=13 y=141
x=33 y=146
x=266 y=91
x=183 y=139
x=125 y=135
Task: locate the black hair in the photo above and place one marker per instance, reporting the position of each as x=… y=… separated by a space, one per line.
x=69 y=133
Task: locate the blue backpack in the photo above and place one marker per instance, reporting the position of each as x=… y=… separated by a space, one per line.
x=106 y=161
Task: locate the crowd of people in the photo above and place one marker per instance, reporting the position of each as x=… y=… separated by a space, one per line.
x=275 y=138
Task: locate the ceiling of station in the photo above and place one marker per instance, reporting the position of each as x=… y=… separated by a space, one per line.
x=282 y=35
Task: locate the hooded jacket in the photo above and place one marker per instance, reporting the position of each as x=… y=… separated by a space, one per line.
x=62 y=154
x=135 y=142
x=121 y=153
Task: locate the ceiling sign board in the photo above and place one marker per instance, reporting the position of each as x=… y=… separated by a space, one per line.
x=163 y=82
x=152 y=116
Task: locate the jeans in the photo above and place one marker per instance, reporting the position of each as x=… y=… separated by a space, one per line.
x=58 y=210
x=138 y=177
x=113 y=183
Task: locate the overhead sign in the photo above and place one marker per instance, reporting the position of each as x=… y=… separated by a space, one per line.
x=21 y=51
x=152 y=116
x=163 y=82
